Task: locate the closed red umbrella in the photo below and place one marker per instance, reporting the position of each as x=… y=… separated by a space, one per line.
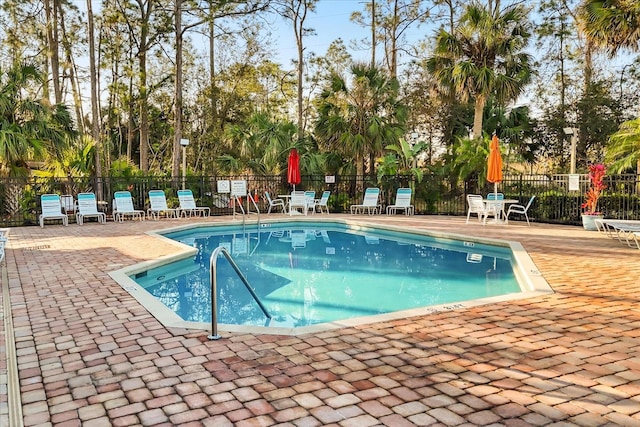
x=494 y=169
x=293 y=168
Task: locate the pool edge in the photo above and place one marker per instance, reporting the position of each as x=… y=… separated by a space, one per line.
x=527 y=274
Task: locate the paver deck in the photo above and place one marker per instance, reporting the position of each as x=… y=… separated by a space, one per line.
x=89 y=355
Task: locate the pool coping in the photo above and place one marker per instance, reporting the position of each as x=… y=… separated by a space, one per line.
x=527 y=274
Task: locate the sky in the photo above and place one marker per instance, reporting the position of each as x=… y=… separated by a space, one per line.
x=330 y=21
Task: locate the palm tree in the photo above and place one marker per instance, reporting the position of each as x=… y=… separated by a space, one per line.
x=611 y=24
x=30 y=128
x=615 y=25
x=484 y=56
x=623 y=149
x=359 y=120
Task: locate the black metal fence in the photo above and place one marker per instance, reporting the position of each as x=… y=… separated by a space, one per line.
x=434 y=195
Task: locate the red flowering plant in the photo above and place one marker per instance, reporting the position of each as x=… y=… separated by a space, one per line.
x=596 y=177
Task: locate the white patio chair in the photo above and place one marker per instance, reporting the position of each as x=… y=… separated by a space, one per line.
x=52 y=209
x=123 y=207
x=498 y=205
x=88 y=208
x=520 y=209
x=298 y=203
x=274 y=203
x=321 y=203
x=311 y=200
x=188 y=205
x=402 y=203
x=477 y=206
x=69 y=205
x=158 y=202
x=369 y=203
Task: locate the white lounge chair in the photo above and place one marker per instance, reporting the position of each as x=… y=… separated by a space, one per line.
x=4 y=237
x=520 y=209
x=52 y=209
x=188 y=205
x=625 y=231
x=298 y=203
x=477 y=206
x=88 y=208
x=158 y=202
x=369 y=203
x=321 y=203
x=123 y=207
x=402 y=203
x=274 y=203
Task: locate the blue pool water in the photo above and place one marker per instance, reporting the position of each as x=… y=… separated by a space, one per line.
x=310 y=273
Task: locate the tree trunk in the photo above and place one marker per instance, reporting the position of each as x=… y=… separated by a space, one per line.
x=144 y=110
x=51 y=12
x=477 y=116
x=175 y=164
x=95 y=125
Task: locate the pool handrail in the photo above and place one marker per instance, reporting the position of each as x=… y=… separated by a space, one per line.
x=213 y=262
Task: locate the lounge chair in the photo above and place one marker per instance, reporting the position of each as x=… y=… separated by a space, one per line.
x=4 y=237
x=402 y=203
x=158 y=202
x=477 y=206
x=188 y=205
x=274 y=203
x=88 y=208
x=123 y=207
x=520 y=209
x=626 y=231
x=369 y=203
x=321 y=203
x=52 y=209
x=298 y=202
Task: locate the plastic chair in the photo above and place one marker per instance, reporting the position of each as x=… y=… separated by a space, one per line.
x=402 y=203
x=321 y=203
x=52 y=209
x=274 y=203
x=477 y=206
x=520 y=209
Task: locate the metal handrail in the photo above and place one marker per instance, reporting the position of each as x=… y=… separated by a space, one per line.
x=213 y=262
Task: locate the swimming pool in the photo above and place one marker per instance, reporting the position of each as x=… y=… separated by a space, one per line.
x=327 y=273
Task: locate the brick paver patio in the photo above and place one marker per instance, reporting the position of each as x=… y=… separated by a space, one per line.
x=89 y=355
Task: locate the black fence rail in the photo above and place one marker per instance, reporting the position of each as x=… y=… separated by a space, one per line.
x=434 y=195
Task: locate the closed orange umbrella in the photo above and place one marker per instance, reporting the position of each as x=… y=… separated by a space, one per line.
x=494 y=172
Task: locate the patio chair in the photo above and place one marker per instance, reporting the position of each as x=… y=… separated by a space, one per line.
x=52 y=209
x=158 y=202
x=369 y=203
x=477 y=206
x=311 y=200
x=402 y=203
x=69 y=205
x=520 y=209
x=321 y=203
x=498 y=205
x=298 y=202
x=123 y=207
x=274 y=203
x=88 y=208
x=188 y=205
